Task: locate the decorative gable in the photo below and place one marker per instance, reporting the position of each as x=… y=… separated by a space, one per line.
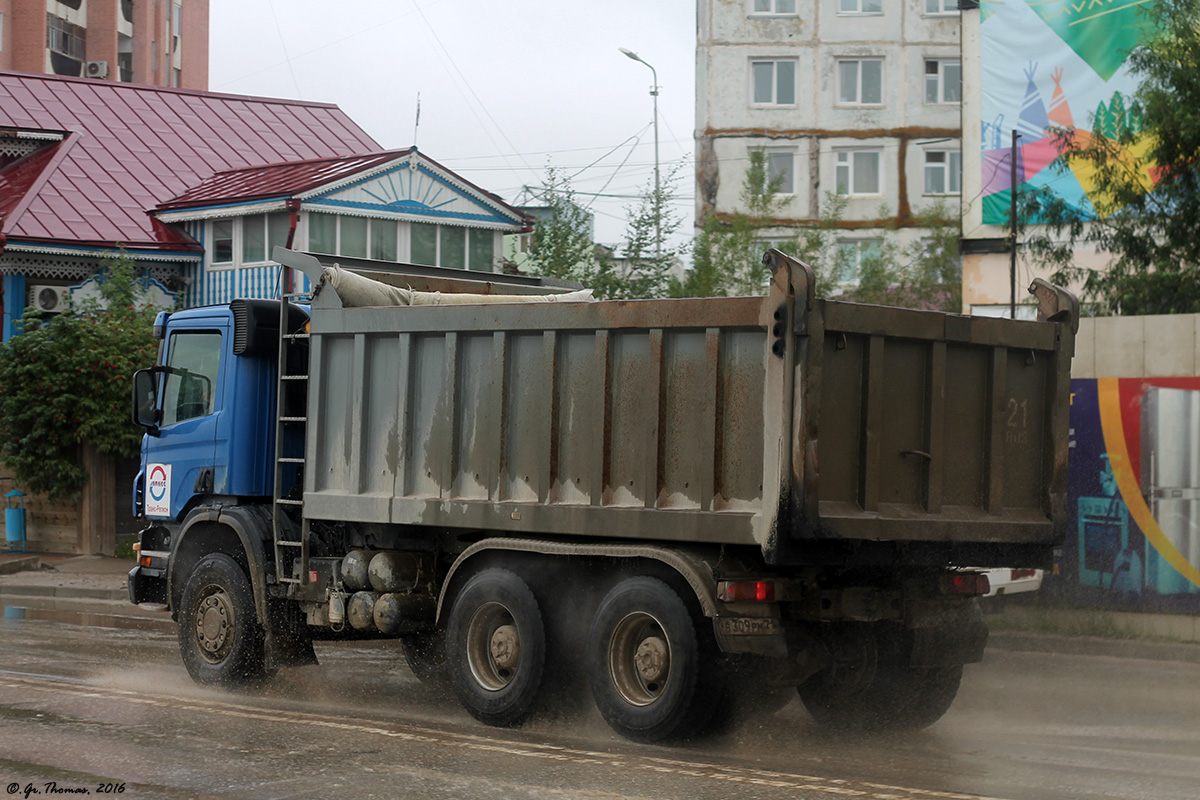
x=416 y=191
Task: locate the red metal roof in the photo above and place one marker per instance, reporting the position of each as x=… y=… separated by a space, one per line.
x=130 y=147
x=276 y=180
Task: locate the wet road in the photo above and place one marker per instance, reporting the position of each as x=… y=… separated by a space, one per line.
x=85 y=707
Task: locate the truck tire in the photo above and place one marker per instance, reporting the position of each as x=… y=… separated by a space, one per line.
x=220 y=639
x=647 y=664
x=496 y=647
x=867 y=689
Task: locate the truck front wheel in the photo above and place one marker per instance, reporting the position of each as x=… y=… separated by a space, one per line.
x=219 y=636
x=497 y=647
x=646 y=663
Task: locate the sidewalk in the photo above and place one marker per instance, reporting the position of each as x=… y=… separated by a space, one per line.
x=98 y=584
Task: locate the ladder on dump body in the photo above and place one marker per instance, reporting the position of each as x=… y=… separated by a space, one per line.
x=288 y=548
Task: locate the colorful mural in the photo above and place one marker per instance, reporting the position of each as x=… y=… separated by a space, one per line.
x=1133 y=495
x=1073 y=52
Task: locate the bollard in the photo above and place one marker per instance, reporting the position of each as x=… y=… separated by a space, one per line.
x=14 y=520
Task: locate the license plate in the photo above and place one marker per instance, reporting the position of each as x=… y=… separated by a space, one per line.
x=747 y=626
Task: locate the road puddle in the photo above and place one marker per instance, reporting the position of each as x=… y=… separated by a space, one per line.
x=88 y=619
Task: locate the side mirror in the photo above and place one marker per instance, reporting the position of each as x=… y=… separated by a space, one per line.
x=145 y=400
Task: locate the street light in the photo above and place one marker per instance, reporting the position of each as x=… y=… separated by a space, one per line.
x=657 y=188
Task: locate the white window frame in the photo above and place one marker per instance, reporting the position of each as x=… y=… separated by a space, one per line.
x=238 y=239
x=465 y=230
x=950 y=167
x=774 y=8
x=859 y=246
x=858 y=82
x=774 y=102
x=855 y=8
x=941 y=8
x=401 y=246
x=845 y=158
x=779 y=154
x=940 y=84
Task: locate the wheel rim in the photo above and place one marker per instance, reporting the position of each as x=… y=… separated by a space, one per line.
x=493 y=647
x=214 y=624
x=854 y=665
x=639 y=659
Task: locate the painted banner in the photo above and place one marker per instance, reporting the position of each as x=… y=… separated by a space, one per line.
x=1049 y=64
x=1133 y=537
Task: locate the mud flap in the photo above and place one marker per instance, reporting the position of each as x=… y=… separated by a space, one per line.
x=288 y=641
x=946 y=636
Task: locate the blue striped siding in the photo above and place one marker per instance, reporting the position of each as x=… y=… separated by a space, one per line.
x=217 y=287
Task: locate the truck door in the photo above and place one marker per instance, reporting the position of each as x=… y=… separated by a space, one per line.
x=180 y=460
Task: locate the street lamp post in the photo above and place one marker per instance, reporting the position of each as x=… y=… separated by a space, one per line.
x=657 y=187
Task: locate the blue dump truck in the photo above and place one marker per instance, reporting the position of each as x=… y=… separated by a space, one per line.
x=691 y=507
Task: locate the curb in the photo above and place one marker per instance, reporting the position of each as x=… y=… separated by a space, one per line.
x=15 y=565
x=74 y=592
x=1185 y=652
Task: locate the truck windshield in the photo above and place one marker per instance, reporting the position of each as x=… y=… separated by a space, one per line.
x=190 y=384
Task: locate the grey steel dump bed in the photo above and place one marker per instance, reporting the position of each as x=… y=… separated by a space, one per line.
x=769 y=421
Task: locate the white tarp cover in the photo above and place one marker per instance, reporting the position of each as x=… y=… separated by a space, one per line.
x=357 y=290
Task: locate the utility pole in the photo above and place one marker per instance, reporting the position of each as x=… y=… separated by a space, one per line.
x=657 y=187
x=1012 y=236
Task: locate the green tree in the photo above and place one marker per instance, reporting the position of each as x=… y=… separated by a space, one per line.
x=728 y=250
x=1145 y=212
x=561 y=244
x=927 y=274
x=65 y=381
x=650 y=248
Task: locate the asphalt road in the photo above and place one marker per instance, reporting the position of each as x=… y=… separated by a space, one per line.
x=91 y=708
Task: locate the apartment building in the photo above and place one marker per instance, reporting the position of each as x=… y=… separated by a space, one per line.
x=858 y=99
x=156 y=42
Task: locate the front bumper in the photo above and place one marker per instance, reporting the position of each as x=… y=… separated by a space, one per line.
x=147 y=586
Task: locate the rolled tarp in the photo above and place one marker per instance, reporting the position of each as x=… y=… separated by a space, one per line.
x=358 y=290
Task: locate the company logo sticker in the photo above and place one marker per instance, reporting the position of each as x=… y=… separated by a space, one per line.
x=158 y=490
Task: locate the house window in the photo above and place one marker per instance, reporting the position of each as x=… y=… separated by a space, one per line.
x=383 y=240
x=941 y=6
x=221 y=250
x=943 y=172
x=774 y=82
x=943 y=81
x=248 y=240
x=774 y=7
x=858 y=172
x=860 y=81
x=451 y=246
x=355 y=237
x=860 y=6
x=424 y=244
x=853 y=254
x=780 y=171
x=481 y=249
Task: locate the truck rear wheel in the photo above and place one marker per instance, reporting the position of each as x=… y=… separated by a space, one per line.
x=220 y=639
x=496 y=647
x=646 y=663
x=867 y=689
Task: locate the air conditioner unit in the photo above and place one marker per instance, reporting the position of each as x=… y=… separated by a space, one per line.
x=48 y=299
x=95 y=69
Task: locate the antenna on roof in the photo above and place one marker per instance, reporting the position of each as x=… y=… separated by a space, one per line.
x=417 y=122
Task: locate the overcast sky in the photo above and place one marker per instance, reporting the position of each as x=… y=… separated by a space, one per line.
x=505 y=87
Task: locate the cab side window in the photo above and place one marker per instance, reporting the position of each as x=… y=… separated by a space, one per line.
x=190 y=384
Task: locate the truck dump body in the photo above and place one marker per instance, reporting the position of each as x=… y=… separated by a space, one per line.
x=769 y=421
